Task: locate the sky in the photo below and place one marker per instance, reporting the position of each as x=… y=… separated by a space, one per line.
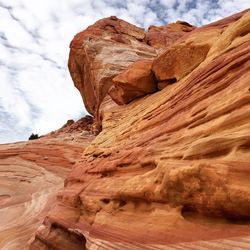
x=37 y=94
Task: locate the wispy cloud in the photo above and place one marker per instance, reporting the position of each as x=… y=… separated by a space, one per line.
x=36 y=91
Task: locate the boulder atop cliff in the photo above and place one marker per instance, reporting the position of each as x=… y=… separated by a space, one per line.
x=107 y=48
x=100 y=52
x=136 y=81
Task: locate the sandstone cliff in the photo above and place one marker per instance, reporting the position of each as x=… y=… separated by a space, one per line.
x=170 y=167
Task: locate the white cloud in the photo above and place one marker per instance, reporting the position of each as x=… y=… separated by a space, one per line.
x=36 y=91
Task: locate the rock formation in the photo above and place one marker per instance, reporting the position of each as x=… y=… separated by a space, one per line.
x=171 y=169
x=31 y=173
x=108 y=47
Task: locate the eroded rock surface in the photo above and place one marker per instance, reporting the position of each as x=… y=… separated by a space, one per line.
x=170 y=170
x=31 y=174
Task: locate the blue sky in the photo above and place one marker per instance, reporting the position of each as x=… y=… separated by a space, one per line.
x=36 y=92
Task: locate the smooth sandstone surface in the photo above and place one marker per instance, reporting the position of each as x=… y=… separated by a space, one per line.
x=169 y=170
x=31 y=174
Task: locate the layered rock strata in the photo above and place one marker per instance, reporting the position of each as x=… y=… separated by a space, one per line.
x=31 y=173
x=169 y=170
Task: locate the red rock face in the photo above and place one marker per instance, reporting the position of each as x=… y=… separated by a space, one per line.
x=31 y=174
x=169 y=170
x=101 y=52
x=107 y=48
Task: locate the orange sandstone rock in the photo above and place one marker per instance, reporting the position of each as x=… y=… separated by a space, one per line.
x=170 y=170
x=99 y=53
x=161 y=37
x=179 y=60
x=138 y=80
x=107 y=48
